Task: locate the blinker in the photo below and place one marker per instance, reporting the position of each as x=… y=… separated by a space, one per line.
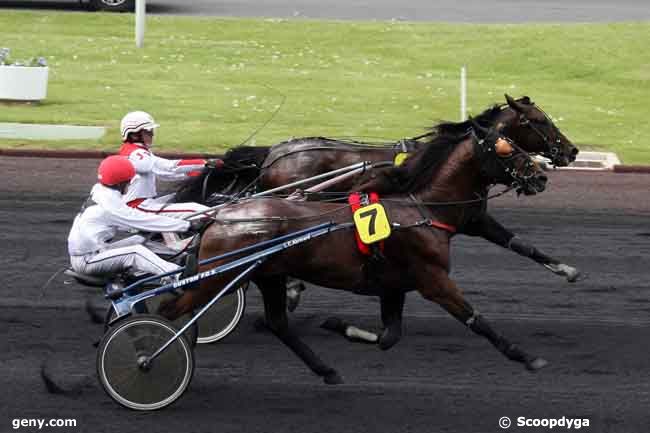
x=503 y=147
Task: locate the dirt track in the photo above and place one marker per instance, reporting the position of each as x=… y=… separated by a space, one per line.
x=439 y=378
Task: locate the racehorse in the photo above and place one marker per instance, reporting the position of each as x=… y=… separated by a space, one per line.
x=268 y=167
x=450 y=168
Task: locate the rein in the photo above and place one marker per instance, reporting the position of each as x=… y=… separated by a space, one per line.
x=451 y=203
x=412 y=202
x=276 y=218
x=355 y=146
x=284 y=155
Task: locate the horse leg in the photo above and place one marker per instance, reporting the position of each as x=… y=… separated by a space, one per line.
x=392 y=306
x=445 y=292
x=275 y=304
x=294 y=289
x=490 y=229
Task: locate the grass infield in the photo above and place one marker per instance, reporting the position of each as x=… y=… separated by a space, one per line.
x=211 y=82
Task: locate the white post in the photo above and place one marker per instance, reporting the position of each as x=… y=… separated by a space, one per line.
x=140 y=12
x=463 y=93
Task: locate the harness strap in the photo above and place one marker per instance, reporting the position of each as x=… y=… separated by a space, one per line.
x=428 y=221
x=443 y=226
x=356 y=201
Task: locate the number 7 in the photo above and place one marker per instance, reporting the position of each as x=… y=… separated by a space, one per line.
x=372 y=213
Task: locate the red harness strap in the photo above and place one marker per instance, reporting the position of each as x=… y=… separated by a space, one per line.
x=354 y=200
x=443 y=226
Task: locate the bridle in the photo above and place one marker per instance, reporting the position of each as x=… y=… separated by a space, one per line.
x=554 y=146
x=518 y=165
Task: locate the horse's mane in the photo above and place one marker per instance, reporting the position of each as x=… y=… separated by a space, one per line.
x=484 y=119
x=438 y=144
x=419 y=168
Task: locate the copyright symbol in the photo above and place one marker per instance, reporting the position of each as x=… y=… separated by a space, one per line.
x=504 y=422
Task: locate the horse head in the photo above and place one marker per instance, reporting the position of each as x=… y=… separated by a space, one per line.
x=525 y=123
x=502 y=161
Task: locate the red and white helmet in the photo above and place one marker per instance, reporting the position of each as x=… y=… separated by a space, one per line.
x=136 y=121
x=115 y=169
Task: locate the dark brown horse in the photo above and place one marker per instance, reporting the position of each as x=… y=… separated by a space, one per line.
x=520 y=120
x=265 y=168
x=416 y=255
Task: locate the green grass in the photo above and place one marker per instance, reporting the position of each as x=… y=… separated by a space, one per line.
x=211 y=82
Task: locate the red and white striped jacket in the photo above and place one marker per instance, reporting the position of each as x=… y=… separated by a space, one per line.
x=149 y=167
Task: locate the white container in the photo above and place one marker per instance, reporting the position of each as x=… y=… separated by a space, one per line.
x=23 y=83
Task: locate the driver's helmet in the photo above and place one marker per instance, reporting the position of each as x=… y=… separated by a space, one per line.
x=115 y=170
x=136 y=121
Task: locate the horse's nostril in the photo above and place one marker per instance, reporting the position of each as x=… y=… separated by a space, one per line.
x=574 y=151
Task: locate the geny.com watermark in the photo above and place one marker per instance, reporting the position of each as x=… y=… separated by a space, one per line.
x=39 y=423
x=549 y=423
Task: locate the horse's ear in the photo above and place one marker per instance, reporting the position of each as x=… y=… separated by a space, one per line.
x=514 y=104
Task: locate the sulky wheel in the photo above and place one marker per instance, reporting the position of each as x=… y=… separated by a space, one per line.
x=112 y=5
x=126 y=376
x=151 y=306
x=223 y=317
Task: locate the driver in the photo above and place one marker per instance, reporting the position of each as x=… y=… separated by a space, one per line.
x=137 y=129
x=104 y=214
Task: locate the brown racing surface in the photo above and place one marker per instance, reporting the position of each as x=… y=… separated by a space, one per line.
x=440 y=377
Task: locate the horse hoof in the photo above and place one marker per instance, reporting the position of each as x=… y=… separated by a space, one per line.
x=333 y=378
x=536 y=364
x=293 y=299
x=334 y=324
x=575 y=276
x=388 y=339
x=294 y=289
x=571 y=274
x=96 y=311
x=260 y=324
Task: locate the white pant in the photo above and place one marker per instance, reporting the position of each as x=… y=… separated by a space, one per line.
x=134 y=258
x=161 y=206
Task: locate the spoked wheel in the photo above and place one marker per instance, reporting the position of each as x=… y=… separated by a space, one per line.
x=126 y=376
x=223 y=317
x=152 y=305
x=112 y=5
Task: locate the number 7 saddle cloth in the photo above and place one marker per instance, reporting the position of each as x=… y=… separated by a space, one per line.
x=359 y=201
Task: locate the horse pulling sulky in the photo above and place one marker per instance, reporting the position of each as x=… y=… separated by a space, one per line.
x=266 y=168
x=145 y=362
